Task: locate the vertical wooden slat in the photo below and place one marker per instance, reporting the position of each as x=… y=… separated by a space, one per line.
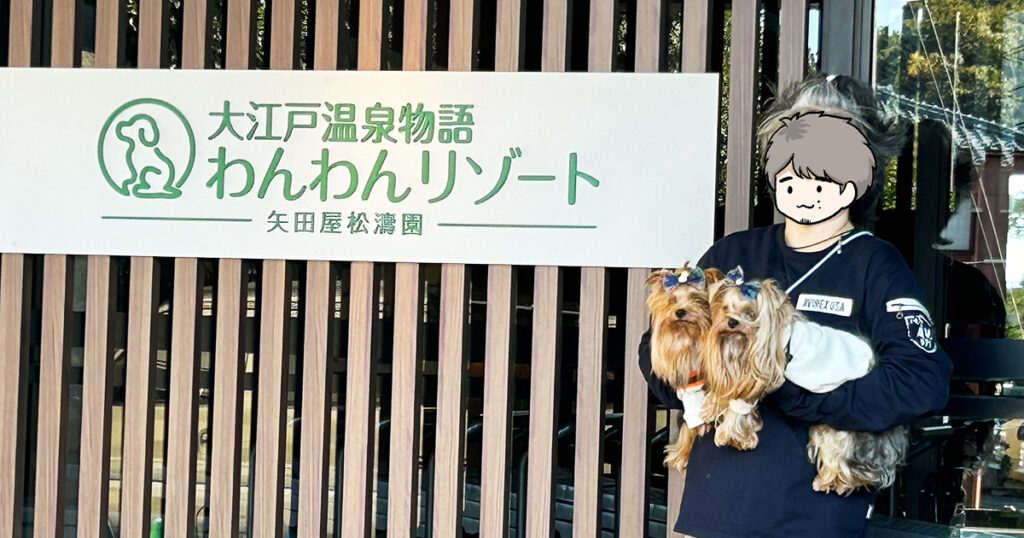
x=547 y=303
x=194 y=32
x=792 y=42
x=451 y=391
x=460 y=37
x=496 y=454
x=497 y=403
x=593 y=319
x=451 y=375
x=414 y=40
x=65 y=48
x=359 y=402
x=268 y=488
x=635 y=420
x=507 y=40
x=316 y=398
x=589 y=404
x=182 y=412
x=696 y=19
x=14 y=365
x=602 y=35
x=110 y=25
x=152 y=34
x=228 y=372
x=283 y=25
x=94 y=486
x=649 y=21
x=635 y=448
x=544 y=380
x=371 y=18
x=554 y=53
x=137 y=467
x=403 y=483
x=238 y=42
x=313 y=477
x=325 y=36
x=403 y=488
x=696 y=22
x=742 y=84
x=23 y=49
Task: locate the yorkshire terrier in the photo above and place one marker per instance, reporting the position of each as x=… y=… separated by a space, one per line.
x=678 y=303
x=746 y=360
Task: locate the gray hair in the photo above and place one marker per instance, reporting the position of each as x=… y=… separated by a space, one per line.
x=821 y=146
x=882 y=130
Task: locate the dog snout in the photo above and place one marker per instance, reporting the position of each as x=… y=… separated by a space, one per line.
x=681 y=313
x=733 y=323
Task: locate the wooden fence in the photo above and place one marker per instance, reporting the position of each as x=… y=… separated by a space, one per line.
x=208 y=410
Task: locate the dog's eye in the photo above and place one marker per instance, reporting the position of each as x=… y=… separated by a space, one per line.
x=671 y=300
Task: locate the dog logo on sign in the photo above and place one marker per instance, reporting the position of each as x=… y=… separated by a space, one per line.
x=146 y=149
x=920 y=331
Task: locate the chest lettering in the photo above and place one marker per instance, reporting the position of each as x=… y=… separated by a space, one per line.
x=837 y=306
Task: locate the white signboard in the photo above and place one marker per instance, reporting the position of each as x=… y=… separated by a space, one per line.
x=512 y=168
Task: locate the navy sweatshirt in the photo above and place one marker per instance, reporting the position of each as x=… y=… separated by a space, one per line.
x=865 y=288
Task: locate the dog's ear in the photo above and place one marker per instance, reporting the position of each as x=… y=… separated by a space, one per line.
x=655 y=280
x=712 y=275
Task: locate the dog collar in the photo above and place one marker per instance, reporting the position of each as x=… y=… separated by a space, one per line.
x=694 y=381
x=740 y=407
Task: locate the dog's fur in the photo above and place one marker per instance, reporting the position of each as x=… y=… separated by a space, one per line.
x=680 y=319
x=746 y=360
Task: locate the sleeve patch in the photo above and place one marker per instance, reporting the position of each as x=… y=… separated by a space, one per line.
x=920 y=329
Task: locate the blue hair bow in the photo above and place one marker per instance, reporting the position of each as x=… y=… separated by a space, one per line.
x=748 y=289
x=684 y=276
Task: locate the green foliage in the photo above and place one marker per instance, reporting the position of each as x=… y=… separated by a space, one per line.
x=920 y=61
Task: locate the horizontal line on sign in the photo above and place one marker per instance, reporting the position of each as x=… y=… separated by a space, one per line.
x=514 y=225
x=187 y=219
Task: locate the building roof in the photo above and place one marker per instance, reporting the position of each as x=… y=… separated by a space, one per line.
x=977 y=134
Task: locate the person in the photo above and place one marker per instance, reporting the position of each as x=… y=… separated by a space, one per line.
x=824 y=145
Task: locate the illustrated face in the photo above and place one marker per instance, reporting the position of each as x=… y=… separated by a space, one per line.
x=810 y=201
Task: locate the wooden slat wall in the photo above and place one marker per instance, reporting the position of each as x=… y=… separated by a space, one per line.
x=407 y=364
x=544 y=381
x=451 y=391
x=54 y=369
x=359 y=425
x=316 y=389
x=547 y=307
x=403 y=484
x=268 y=487
x=592 y=322
x=792 y=41
x=636 y=414
x=94 y=463
x=451 y=375
x=24 y=18
x=13 y=387
x=137 y=466
x=360 y=396
x=496 y=454
x=228 y=372
x=742 y=92
x=183 y=404
x=97 y=386
x=315 y=402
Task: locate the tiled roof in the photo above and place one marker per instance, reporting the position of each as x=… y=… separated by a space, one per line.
x=978 y=134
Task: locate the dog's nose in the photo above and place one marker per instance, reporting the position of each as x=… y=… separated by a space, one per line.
x=681 y=313
x=733 y=323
